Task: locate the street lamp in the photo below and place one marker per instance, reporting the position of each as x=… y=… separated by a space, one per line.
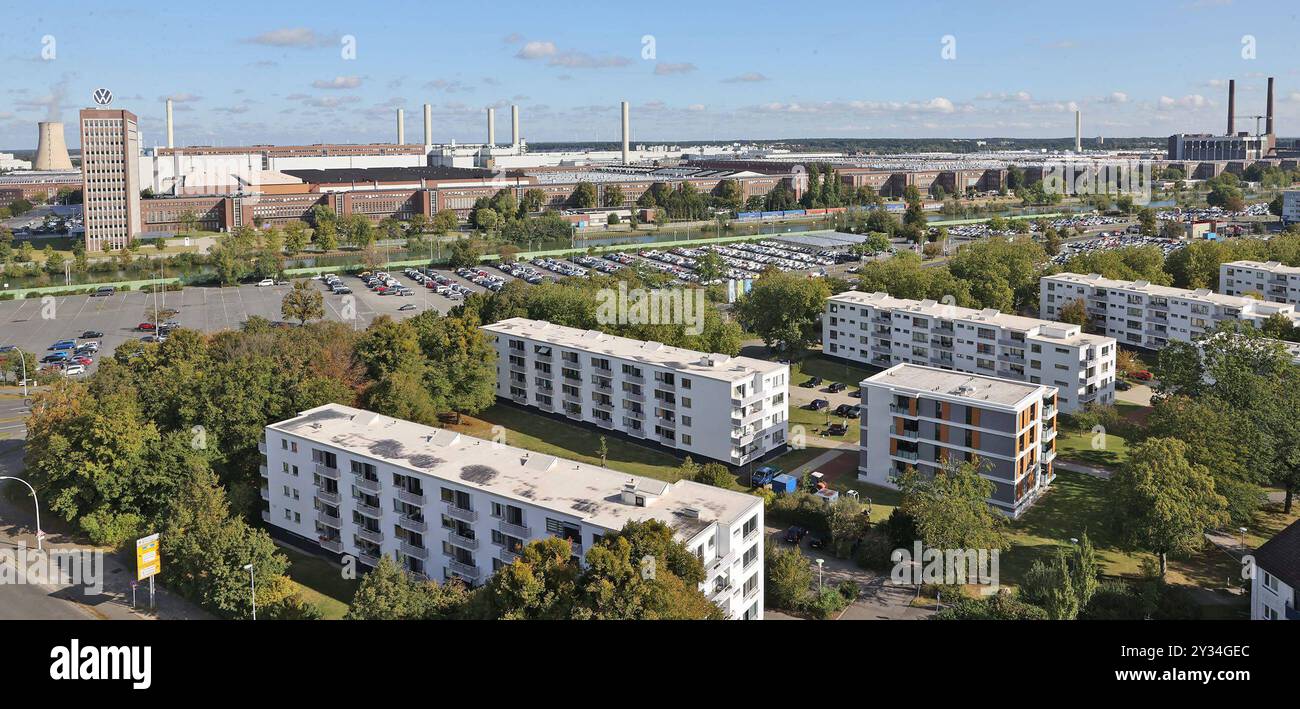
x=39 y=534
x=1243 y=537
x=820 y=562
x=252 y=588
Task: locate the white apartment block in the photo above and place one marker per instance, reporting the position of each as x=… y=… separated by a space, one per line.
x=1271 y=281
x=110 y=157
x=880 y=330
x=447 y=505
x=730 y=409
x=1141 y=314
x=1275 y=588
x=928 y=418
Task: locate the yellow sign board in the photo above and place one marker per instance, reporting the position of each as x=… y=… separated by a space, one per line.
x=148 y=557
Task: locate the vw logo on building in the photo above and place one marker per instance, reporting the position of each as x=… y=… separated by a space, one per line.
x=103 y=97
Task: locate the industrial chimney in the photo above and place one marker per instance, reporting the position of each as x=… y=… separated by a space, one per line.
x=1268 y=113
x=514 y=127
x=171 y=142
x=428 y=125
x=401 y=126
x=492 y=127
x=1078 y=131
x=626 y=130
x=1232 y=105
x=51 y=149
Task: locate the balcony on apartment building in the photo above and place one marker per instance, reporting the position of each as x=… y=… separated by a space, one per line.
x=263 y=471
x=366 y=509
x=469 y=571
x=266 y=516
x=410 y=549
x=261 y=447
x=364 y=483
x=324 y=517
x=463 y=514
x=370 y=535
x=334 y=545
x=326 y=471
x=266 y=494
x=412 y=523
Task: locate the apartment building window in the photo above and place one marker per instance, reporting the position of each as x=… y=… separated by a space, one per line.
x=751 y=555
x=749 y=527
x=751 y=585
x=284 y=444
x=686 y=439
x=686 y=383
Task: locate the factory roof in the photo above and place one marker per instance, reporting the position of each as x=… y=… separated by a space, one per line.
x=1064 y=333
x=388 y=174
x=589 y=492
x=684 y=361
x=959 y=386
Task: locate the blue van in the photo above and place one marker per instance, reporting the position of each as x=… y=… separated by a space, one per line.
x=64 y=345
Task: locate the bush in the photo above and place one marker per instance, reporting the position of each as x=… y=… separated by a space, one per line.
x=789 y=578
x=715 y=474
x=801 y=508
x=827 y=604
x=849 y=590
x=874 y=550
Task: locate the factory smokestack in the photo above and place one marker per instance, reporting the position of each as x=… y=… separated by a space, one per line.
x=492 y=127
x=626 y=131
x=401 y=126
x=514 y=126
x=1078 y=131
x=171 y=141
x=428 y=124
x=51 y=149
x=1232 y=105
x=1268 y=113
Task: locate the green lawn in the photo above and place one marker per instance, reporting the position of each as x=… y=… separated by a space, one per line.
x=1111 y=450
x=796 y=457
x=545 y=435
x=320 y=582
x=814 y=422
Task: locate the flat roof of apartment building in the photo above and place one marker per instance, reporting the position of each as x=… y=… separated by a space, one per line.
x=1230 y=301
x=988 y=392
x=589 y=492
x=1064 y=332
x=1270 y=266
x=701 y=364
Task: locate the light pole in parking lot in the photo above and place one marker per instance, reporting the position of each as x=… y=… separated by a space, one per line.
x=40 y=536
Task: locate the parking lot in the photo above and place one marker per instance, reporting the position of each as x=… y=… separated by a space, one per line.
x=33 y=324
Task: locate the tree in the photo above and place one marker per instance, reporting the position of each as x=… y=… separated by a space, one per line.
x=1074 y=312
x=295 y=237
x=388 y=593
x=789 y=578
x=784 y=310
x=533 y=201
x=1003 y=606
x=583 y=196
x=357 y=230
x=464 y=252
x=302 y=303
x=1051 y=587
x=444 y=222
x=951 y=510
x=613 y=197
x=715 y=474
x=1163 y=504
x=461 y=357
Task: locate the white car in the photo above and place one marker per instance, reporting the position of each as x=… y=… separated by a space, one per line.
x=74 y=369
x=265 y=282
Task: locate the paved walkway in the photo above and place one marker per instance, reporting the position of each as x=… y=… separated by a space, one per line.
x=1076 y=467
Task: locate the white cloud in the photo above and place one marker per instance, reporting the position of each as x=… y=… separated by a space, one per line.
x=1115 y=97
x=338 y=82
x=747 y=77
x=291 y=37
x=1165 y=103
x=181 y=98
x=536 y=50
x=668 y=69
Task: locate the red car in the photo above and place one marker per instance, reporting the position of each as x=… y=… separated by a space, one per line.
x=82 y=360
x=430 y=284
x=1142 y=375
x=145 y=327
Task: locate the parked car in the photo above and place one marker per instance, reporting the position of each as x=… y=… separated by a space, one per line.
x=103 y=291
x=1142 y=375
x=83 y=360
x=55 y=358
x=837 y=387
x=836 y=429
x=818 y=404
x=91 y=335
x=844 y=409
x=794 y=535
x=63 y=345
x=5 y=349
x=1121 y=385
x=146 y=327
x=816 y=542
x=408 y=306
x=812 y=382
x=74 y=369
x=265 y=282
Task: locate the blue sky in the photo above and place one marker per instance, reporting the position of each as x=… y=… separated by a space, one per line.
x=274 y=71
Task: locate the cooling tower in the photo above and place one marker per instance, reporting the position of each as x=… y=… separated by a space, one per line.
x=51 y=149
